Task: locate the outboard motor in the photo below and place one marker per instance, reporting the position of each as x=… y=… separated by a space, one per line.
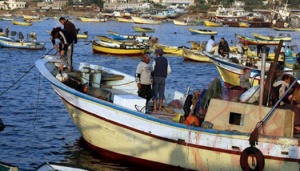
x=21 y=36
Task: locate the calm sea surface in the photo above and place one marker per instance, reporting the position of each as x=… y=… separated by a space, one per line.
x=38 y=128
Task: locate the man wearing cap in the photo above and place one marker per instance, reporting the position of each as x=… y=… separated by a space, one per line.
x=160 y=70
x=70 y=27
x=143 y=78
x=64 y=48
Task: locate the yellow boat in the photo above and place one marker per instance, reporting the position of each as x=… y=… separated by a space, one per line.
x=243 y=24
x=21 y=23
x=143 y=29
x=212 y=24
x=262 y=37
x=169 y=49
x=194 y=55
x=125 y=20
x=202 y=31
x=139 y=20
x=115 y=49
x=119 y=42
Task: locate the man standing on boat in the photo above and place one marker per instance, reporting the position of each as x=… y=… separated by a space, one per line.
x=143 y=78
x=65 y=45
x=211 y=46
x=160 y=70
x=70 y=27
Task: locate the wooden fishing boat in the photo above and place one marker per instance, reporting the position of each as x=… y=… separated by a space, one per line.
x=8 y=167
x=169 y=49
x=125 y=20
x=85 y=19
x=52 y=166
x=21 y=23
x=272 y=38
x=116 y=49
x=202 y=31
x=194 y=55
x=208 y=23
x=284 y=29
x=244 y=24
x=118 y=36
x=143 y=29
x=252 y=41
x=119 y=42
x=139 y=20
x=20 y=44
x=160 y=140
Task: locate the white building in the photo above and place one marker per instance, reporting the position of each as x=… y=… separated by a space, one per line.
x=12 y=4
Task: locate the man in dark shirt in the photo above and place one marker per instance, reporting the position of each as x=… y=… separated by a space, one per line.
x=65 y=45
x=223 y=47
x=160 y=71
x=70 y=27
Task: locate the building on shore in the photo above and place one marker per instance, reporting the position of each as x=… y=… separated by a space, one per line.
x=12 y=4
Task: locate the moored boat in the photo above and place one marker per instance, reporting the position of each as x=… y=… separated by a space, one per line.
x=208 y=23
x=157 y=140
x=139 y=20
x=85 y=19
x=252 y=41
x=125 y=20
x=272 y=38
x=52 y=166
x=143 y=29
x=118 y=36
x=202 y=31
x=21 y=23
x=284 y=29
x=99 y=46
x=169 y=49
x=180 y=23
x=21 y=44
x=194 y=55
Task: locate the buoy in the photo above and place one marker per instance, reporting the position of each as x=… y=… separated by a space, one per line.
x=192 y=120
x=258 y=163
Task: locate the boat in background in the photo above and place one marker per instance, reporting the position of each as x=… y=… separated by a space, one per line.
x=180 y=23
x=139 y=20
x=96 y=19
x=252 y=41
x=52 y=166
x=194 y=55
x=21 y=44
x=124 y=20
x=272 y=38
x=21 y=23
x=208 y=23
x=143 y=29
x=8 y=167
x=226 y=134
x=117 y=36
x=284 y=29
x=244 y=24
x=84 y=35
x=202 y=31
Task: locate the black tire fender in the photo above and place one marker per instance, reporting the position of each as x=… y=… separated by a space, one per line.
x=257 y=154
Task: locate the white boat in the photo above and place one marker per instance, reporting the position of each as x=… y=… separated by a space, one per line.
x=180 y=23
x=113 y=119
x=52 y=166
x=235 y=11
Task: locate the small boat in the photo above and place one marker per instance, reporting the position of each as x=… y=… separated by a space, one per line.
x=169 y=49
x=85 y=19
x=7 y=167
x=21 y=23
x=284 y=29
x=253 y=41
x=194 y=55
x=208 y=23
x=139 y=20
x=116 y=49
x=143 y=29
x=118 y=36
x=180 y=23
x=119 y=42
x=202 y=31
x=272 y=38
x=244 y=24
x=52 y=166
x=230 y=134
x=125 y=20
x=20 y=44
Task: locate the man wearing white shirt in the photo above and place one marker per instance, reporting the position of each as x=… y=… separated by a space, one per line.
x=211 y=46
